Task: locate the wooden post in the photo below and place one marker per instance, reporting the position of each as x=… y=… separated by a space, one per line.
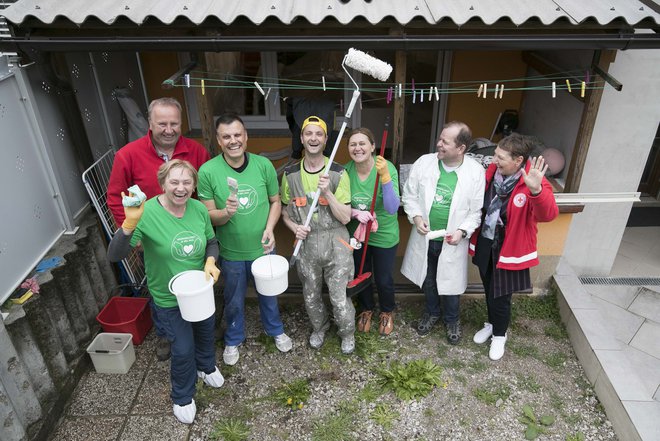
x=591 y=104
x=399 y=107
x=205 y=110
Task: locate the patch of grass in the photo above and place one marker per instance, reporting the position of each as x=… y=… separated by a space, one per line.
x=268 y=343
x=370 y=345
x=293 y=395
x=556 y=402
x=206 y=394
x=453 y=363
x=556 y=331
x=384 y=415
x=370 y=392
x=331 y=346
x=477 y=366
x=231 y=429
x=536 y=308
x=573 y=419
x=429 y=412
x=528 y=383
x=474 y=313
x=443 y=350
x=490 y=393
x=555 y=360
x=577 y=436
x=524 y=350
x=461 y=379
x=412 y=380
x=336 y=426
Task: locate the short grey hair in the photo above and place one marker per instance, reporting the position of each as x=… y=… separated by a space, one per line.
x=165 y=101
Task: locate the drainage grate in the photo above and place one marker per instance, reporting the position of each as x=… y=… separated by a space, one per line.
x=624 y=281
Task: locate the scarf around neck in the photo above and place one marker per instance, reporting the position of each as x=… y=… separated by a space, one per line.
x=503 y=188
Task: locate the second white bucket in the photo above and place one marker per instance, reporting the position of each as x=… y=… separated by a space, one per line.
x=194 y=294
x=271 y=274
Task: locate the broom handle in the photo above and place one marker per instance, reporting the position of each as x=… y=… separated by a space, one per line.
x=315 y=201
x=373 y=199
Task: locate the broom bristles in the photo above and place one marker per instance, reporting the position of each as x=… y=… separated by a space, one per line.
x=367 y=64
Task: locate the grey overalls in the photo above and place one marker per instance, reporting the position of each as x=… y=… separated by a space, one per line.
x=322 y=255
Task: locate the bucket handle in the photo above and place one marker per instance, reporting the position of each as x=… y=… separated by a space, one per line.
x=173 y=279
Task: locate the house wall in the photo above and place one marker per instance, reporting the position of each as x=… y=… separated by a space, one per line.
x=621 y=141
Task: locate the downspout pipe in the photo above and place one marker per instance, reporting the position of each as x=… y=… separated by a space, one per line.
x=621 y=41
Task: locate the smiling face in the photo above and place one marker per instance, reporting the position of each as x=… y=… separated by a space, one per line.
x=178 y=186
x=232 y=139
x=165 y=126
x=313 y=138
x=506 y=164
x=448 y=150
x=360 y=148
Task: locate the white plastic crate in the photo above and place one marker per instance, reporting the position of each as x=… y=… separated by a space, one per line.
x=112 y=353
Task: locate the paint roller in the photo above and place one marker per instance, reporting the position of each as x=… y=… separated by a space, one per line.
x=368 y=65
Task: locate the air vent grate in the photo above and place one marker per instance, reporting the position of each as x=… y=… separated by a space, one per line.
x=623 y=281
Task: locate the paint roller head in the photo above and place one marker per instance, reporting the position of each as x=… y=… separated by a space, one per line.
x=367 y=64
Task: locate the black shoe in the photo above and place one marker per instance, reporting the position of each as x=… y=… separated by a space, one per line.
x=426 y=323
x=162 y=349
x=454 y=333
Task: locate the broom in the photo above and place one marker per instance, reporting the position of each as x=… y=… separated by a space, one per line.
x=366 y=64
x=363 y=280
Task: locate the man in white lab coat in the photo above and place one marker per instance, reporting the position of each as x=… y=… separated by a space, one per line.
x=442 y=198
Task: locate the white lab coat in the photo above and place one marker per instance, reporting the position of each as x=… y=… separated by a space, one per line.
x=464 y=213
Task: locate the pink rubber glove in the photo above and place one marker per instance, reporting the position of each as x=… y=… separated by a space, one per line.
x=362 y=216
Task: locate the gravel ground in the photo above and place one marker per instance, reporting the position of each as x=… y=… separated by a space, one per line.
x=476 y=399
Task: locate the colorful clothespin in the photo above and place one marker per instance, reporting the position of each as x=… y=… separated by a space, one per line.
x=584 y=86
x=568 y=84
x=203 y=90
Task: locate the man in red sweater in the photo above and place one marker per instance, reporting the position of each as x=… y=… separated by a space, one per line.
x=138 y=161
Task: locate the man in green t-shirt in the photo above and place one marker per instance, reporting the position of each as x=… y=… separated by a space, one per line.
x=325 y=253
x=244 y=218
x=442 y=197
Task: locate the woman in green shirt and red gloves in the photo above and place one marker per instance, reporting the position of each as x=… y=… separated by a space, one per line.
x=363 y=170
x=176 y=234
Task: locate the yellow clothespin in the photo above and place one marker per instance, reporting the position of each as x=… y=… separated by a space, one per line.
x=203 y=90
x=584 y=86
x=568 y=84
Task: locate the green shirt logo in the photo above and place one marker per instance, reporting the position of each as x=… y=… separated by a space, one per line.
x=247 y=199
x=185 y=245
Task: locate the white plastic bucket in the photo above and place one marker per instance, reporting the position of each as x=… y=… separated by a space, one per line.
x=271 y=274
x=194 y=294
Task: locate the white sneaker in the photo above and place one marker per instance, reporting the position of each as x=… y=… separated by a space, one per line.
x=230 y=356
x=316 y=339
x=214 y=379
x=283 y=342
x=185 y=414
x=483 y=334
x=348 y=344
x=497 y=347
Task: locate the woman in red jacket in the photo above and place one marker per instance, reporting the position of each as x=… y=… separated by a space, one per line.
x=517 y=197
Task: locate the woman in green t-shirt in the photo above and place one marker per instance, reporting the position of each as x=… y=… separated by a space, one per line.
x=363 y=170
x=176 y=235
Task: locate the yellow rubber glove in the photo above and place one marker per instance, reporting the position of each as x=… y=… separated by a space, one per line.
x=383 y=171
x=211 y=270
x=132 y=216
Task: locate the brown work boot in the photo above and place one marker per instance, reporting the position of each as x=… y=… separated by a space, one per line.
x=386 y=323
x=364 y=321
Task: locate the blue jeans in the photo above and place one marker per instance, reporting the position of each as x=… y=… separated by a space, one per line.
x=450 y=304
x=193 y=349
x=237 y=275
x=379 y=261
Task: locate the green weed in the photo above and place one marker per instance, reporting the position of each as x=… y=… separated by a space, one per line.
x=535 y=426
x=412 y=380
x=384 y=415
x=524 y=350
x=293 y=395
x=230 y=429
x=336 y=426
x=490 y=393
x=370 y=345
x=206 y=395
x=556 y=331
x=577 y=436
x=268 y=343
x=477 y=366
x=370 y=392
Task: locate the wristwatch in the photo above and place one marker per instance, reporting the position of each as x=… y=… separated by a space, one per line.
x=464 y=232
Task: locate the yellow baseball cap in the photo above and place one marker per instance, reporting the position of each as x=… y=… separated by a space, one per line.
x=317 y=121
